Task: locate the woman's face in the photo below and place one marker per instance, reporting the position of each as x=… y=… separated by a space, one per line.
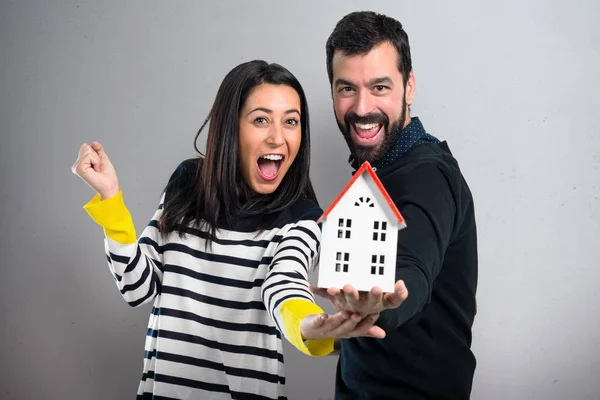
x=270 y=135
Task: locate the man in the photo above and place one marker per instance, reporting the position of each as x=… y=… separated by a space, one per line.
x=426 y=351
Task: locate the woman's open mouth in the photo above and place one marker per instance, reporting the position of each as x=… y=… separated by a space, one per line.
x=269 y=166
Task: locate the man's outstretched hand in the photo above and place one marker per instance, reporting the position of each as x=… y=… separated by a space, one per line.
x=363 y=303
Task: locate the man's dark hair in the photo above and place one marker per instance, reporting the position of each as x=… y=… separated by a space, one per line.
x=359 y=32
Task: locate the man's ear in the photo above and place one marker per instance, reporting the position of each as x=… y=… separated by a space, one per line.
x=409 y=90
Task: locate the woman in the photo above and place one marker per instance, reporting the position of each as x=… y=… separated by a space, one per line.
x=225 y=257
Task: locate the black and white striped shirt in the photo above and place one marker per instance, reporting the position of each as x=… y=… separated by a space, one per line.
x=218 y=315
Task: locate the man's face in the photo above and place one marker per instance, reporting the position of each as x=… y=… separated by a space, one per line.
x=370 y=100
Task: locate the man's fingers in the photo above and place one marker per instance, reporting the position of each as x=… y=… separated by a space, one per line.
x=337 y=298
x=376 y=291
x=393 y=300
x=351 y=295
x=374 y=297
x=350 y=292
x=338 y=302
x=328 y=293
x=322 y=292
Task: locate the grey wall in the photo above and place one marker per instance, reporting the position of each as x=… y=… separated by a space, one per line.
x=513 y=86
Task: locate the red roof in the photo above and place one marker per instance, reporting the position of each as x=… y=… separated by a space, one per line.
x=366 y=167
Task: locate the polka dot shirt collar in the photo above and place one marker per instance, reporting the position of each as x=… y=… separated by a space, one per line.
x=413 y=134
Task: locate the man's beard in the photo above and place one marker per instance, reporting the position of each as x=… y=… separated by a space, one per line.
x=372 y=153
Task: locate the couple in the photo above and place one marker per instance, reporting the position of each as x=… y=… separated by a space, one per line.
x=225 y=258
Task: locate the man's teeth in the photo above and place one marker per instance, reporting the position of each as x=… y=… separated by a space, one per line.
x=273 y=157
x=366 y=127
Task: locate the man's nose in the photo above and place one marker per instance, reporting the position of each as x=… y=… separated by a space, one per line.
x=364 y=104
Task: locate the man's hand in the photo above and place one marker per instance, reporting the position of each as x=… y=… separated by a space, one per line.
x=341 y=325
x=363 y=303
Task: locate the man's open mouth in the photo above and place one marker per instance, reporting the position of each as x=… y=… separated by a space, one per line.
x=366 y=134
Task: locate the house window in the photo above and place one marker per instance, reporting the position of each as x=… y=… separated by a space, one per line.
x=342 y=260
x=364 y=200
x=377 y=264
x=344 y=226
x=379 y=230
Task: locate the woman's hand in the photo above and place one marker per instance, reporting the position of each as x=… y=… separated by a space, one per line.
x=341 y=325
x=94 y=167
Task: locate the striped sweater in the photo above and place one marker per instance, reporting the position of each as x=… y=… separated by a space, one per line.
x=218 y=316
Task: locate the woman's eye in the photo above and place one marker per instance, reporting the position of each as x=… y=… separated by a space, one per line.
x=260 y=120
x=292 y=121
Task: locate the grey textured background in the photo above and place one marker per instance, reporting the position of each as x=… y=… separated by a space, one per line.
x=511 y=85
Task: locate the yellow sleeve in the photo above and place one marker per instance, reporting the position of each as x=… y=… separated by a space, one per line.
x=293 y=312
x=112 y=215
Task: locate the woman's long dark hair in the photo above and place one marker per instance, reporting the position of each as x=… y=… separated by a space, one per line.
x=216 y=189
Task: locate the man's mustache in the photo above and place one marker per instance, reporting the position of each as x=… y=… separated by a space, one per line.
x=371 y=118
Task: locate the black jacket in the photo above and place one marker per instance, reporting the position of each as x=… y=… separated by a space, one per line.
x=426 y=353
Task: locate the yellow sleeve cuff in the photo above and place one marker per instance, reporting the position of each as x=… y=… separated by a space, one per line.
x=112 y=215
x=292 y=313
